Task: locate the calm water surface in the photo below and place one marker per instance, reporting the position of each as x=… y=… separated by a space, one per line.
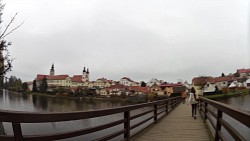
x=37 y=103
x=242 y=103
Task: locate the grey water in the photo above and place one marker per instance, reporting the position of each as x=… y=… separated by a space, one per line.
x=41 y=103
x=241 y=103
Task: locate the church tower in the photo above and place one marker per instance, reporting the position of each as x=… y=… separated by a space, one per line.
x=85 y=75
x=52 y=71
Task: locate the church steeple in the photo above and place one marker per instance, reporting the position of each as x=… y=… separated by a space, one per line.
x=52 y=71
x=85 y=75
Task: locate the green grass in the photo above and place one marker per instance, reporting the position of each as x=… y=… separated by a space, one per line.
x=229 y=94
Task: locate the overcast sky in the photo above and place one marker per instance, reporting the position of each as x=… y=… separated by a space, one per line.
x=140 y=39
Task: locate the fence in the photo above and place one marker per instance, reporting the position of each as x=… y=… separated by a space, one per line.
x=17 y=118
x=217 y=122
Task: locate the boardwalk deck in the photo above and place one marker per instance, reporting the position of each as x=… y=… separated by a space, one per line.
x=179 y=125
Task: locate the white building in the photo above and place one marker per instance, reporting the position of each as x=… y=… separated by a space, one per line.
x=126 y=81
x=208 y=88
x=154 y=81
x=63 y=80
x=248 y=83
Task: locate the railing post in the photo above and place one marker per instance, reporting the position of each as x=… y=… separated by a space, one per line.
x=172 y=104
x=2 y=132
x=218 y=125
x=205 y=110
x=127 y=125
x=155 y=113
x=167 y=106
x=17 y=131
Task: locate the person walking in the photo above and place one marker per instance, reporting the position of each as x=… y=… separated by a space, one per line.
x=183 y=96
x=193 y=101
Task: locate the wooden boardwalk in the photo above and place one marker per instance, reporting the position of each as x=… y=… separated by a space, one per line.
x=179 y=125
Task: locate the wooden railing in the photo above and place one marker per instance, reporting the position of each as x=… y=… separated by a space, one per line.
x=214 y=117
x=17 y=118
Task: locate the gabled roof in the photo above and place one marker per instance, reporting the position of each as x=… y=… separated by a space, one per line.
x=139 y=89
x=155 y=85
x=225 y=78
x=77 y=78
x=243 y=71
x=126 y=78
x=51 y=77
x=117 y=86
x=171 y=85
x=202 y=80
x=233 y=84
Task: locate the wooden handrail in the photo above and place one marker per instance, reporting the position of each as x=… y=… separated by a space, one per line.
x=239 y=115
x=17 y=118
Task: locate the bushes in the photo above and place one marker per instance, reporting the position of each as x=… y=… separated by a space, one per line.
x=224 y=90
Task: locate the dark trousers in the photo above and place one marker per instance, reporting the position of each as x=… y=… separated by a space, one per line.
x=194 y=107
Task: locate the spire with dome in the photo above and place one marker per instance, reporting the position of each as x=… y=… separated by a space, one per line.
x=52 y=71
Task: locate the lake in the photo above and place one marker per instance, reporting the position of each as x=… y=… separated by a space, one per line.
x=41 y=103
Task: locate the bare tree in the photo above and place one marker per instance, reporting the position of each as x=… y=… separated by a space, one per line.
x=5 y=60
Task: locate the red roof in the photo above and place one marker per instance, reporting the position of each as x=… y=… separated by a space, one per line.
x=117 y=86
x=225 y=78
x=171 y=85
x=51 y=77
x=243 y=71
x=77 y=78
x=139 y=89
x=202 y=80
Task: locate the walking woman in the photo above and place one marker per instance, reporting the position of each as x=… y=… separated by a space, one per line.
x=193 y=101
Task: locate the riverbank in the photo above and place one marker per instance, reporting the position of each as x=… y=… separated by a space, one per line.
x=227 y=95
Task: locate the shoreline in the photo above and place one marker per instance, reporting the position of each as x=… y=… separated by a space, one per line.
x=228 y=95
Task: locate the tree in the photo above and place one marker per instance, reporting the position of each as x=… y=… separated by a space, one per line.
x=217 y=91
x=18 y=84
x=34 y=89
x=13 y=83
x=143 y=84
x=236 y=74
x=44 y=85
x=222 y=75
x=5 y=60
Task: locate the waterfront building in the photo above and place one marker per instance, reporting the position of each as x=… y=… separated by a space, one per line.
x=154 y=81
x=243 y=73
x=172 y=89
x=127 y=82
x=223 y=81
x=63 y=80
x=199 y=82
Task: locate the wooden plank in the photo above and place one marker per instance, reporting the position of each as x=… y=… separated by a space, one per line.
x=179 y=125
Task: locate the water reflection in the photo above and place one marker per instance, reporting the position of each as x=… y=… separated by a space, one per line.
x=28 y=102
x=38 y=103
x=241 y=102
